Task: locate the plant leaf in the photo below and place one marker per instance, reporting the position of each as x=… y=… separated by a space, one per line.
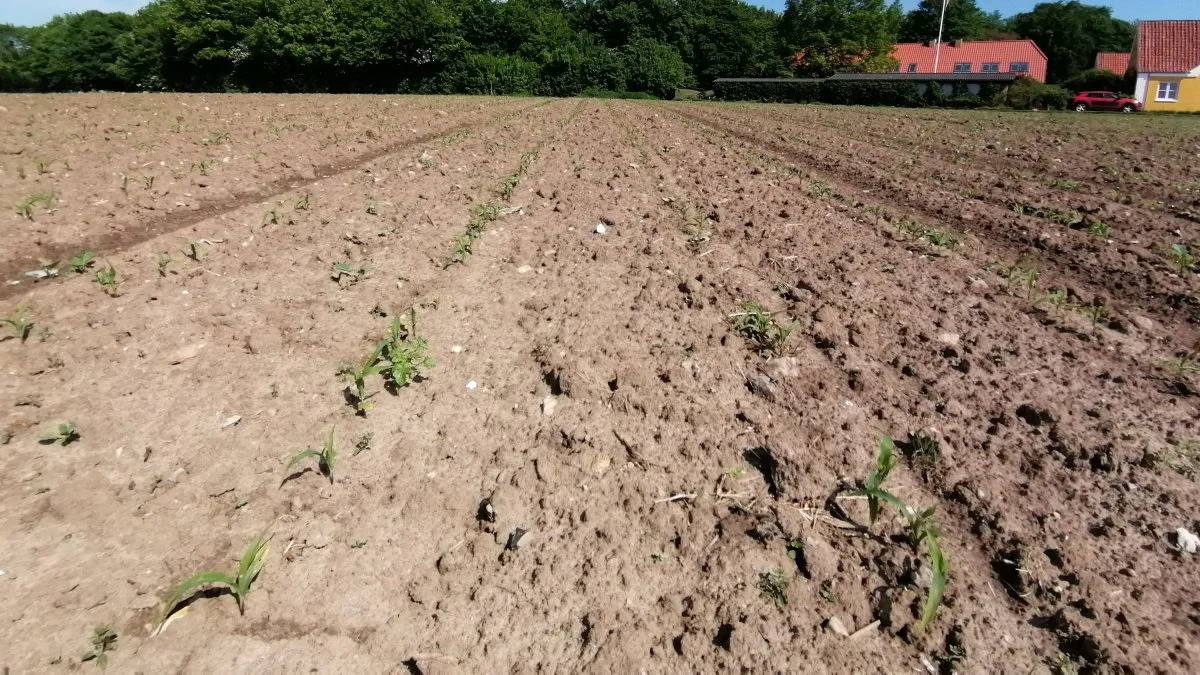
x=252 y=561
x=937 y=587
x=301 y=456
x=187 y=587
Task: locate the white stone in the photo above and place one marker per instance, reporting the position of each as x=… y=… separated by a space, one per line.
x=1186 y=541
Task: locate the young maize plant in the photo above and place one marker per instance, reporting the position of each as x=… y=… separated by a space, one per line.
x=326 y=457
x=921 y=526
x=405 y=352
x=249 y=567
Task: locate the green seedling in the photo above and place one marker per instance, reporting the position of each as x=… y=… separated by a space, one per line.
x=373 y=209
x=65 y=434
x=104 y=640
x=107 y=278
x=1095 y=311
x=1023 y=277
x=271 y=217
x=657 y=557
x=326 y=457
x=125 y=185
x=759 y=326
x=195 y=250
x=27 y=205
x=819 y=188
x=20 y=322
x=1185 y=363
x=406 y=353
x=1182 y=258
x=774 y=586
x=357 y=374
x=937 y=585
x=304 y=202
x=940 y=238
x=1100 y=229
x=358 y=544
x=346 y=270
x=735 y=472
x=249 y=567
x=81 y=263
x=1066 y=184
x=795 y=548
x=148 y=181
x=163 y=259
x=921 y=526
x=825 y=590
x=885 y=461
x=217 y=139
x=1057 y=299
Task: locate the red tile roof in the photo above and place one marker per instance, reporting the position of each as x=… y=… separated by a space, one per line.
x=1168 y=46
x=1004 y=52
x=1113 y=62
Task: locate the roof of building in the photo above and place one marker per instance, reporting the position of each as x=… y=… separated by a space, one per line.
x=1113 y=62
x=929 y=77
x=976 y=53
x=1168 y=46
x=902 y=77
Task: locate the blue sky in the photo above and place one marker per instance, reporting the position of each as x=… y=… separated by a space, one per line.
x=33 y=12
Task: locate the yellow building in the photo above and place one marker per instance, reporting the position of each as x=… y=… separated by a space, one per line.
x=1166 y=55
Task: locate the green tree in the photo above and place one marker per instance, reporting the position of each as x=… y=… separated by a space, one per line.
x=76 y=52
x=825 y=36
x=726 y=38
x=653 y=67
x=964 y=21
x=1070 y=34
x=14 y=73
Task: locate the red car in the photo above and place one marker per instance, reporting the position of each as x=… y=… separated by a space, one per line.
x=1104 y=100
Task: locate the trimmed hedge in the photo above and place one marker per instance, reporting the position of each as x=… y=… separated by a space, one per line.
x=846 y=92
x=1023 y=93
x=770 y=91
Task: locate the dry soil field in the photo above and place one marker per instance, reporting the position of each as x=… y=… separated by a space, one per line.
x=995 y=291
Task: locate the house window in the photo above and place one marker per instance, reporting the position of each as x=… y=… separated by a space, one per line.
x=912 y=67
x=1018 y=67
x=990 y=67
x=1167 y=91
x=962 y=67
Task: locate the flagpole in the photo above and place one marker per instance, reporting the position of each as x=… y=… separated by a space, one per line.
x=937 y=53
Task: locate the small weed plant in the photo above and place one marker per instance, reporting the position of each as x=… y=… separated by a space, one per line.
x=249 y=567
x=357 y=374
x=25 y=209
x=80 y=263
x=107 y=278
x=326 y=457
x=1183 y=259
x=760 y=327
x=349 y=273
x=1100 y=229
x=104 y=640
x=406 y=353
x=64 y=434
x=773 y=585
x=20 y=322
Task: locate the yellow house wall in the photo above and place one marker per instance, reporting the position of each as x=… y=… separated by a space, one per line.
x=1189 y=94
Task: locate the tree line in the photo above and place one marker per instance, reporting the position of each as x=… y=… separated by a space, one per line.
x=542 y=47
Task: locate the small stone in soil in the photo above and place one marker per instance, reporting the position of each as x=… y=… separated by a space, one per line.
x=486 y=512
x=514 y=539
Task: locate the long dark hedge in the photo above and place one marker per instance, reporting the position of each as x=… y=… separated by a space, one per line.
x=847 y=92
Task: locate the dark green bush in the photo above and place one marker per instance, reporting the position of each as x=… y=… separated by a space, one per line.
x=867 y=92
x=495 y=75
x=1027 y=93
x=1099 y=80
x=605 y=93
x=768 y=91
